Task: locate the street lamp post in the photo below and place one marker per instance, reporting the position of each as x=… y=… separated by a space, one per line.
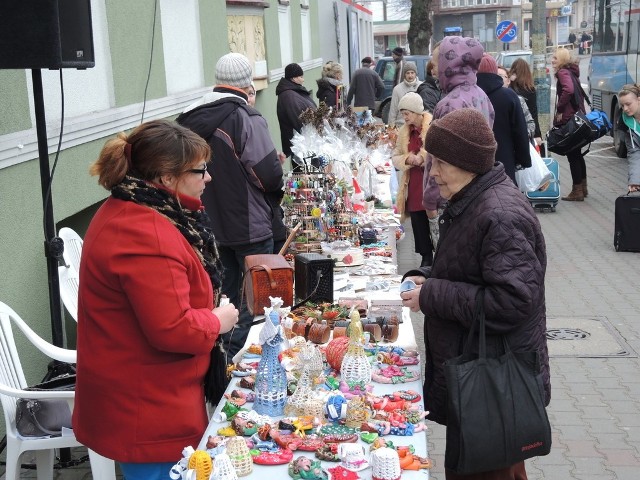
x=540 y=79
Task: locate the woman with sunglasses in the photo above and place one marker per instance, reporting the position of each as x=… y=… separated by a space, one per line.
x=147 y=315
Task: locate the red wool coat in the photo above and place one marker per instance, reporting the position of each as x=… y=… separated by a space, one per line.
x=145 y=330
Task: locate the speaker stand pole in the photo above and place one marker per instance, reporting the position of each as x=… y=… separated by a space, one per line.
x=55 y=303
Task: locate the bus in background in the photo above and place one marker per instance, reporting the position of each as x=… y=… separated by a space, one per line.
x=614 y=58
x=453 y=31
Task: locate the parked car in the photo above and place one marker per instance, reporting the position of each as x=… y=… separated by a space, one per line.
x=386 y=68
x=507 y=57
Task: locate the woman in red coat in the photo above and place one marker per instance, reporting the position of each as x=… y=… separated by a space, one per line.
x=146 y=318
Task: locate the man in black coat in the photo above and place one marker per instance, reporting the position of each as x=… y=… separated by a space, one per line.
x=293 y=99
x=366 y=86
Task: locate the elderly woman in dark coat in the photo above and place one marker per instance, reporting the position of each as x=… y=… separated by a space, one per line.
x=490 y=238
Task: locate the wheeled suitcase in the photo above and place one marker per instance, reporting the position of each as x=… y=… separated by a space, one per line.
x=549 y=197
x=626 y=237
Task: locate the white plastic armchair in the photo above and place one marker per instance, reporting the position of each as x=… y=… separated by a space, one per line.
x=68 y=273
x=72 y=247
x=12 y=387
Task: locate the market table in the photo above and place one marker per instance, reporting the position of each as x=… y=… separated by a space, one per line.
x=406 y=339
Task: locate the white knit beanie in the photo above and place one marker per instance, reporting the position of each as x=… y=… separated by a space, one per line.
x=235 y=70
x=412 y=102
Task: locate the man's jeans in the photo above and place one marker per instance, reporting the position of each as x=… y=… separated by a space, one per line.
x=232 y=259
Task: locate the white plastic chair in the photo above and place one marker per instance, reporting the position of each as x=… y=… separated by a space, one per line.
x=69 y=284
x=12 y=387
x=69 y=272
x=72 y=247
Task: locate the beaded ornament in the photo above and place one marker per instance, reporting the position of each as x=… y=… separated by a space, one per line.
x=358 y=412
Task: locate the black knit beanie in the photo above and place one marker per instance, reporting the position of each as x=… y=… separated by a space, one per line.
x=463 y=138
x=293 y=70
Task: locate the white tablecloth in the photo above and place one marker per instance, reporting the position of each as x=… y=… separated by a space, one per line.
x=406 y=339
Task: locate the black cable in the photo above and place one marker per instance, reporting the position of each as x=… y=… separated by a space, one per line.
x=153 y=36
x=59 y=245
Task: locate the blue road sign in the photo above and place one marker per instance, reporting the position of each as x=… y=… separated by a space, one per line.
x=506 y=31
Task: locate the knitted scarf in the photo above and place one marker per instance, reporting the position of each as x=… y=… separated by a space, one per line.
x=194 y=225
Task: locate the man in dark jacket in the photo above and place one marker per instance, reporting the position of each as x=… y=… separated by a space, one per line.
x=293 y=99
x=509 y=124
x=244 y=169
x=398 y=56
x=429 y=90
x=490 y=243
x=366 y=86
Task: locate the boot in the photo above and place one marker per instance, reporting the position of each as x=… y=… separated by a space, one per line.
x=585 y=192
x=576 y=194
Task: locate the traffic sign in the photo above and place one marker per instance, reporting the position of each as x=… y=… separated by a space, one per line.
x=506 y=31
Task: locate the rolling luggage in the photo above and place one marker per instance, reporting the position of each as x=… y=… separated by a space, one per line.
x=549 y=197
x=626 y=237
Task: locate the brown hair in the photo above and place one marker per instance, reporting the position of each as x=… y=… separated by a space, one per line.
x=630 y=88
x=156 y=148
x=524 y=78
x=429 y=68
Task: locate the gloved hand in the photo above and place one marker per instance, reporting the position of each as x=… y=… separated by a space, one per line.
x=434 y=230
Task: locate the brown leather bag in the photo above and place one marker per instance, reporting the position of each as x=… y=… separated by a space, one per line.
x=267 y=275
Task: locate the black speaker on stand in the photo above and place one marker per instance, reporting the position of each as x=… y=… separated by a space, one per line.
x=54 y=34
x=313 y=278
x=46 y=34
x=36 y=34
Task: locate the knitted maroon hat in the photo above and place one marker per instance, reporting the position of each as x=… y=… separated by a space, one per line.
x=463 y=138
x=488 y=64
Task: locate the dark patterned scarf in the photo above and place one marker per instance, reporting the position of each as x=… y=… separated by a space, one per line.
x=194 y=225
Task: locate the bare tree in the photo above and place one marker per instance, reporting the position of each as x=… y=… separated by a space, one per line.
x=420 y=26
x=400 y=6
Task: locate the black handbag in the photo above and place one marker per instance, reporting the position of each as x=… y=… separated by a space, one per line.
x=496 y=406
x=578 y=131
x=573 y=135
x=45 y=417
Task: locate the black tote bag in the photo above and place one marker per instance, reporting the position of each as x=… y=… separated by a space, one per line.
x=496 y=407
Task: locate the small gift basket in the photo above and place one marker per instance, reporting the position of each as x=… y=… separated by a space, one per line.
x=223 y=469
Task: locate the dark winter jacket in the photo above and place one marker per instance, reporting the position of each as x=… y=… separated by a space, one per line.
x=366 y=85
x=509 y=124
x=490 y=238
x=430 y=93
x=530 y=98
x=244 y=166
x=293 y=99
x=327 y=90
x=566 y=105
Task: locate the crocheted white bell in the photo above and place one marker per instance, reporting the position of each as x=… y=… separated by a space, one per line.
x=385 y=464
x=355 y=367
x=223 y=469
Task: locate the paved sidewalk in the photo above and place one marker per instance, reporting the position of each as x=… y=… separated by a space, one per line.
x=595 y=405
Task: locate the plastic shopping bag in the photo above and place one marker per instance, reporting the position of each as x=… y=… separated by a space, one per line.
x=536 y=176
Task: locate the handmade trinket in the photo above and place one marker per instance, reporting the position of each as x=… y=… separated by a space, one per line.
x=306 y=469
x=355 y=367
x=271 y=377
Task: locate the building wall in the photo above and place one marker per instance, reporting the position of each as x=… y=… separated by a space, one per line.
x=190 y=35
x=342 y=40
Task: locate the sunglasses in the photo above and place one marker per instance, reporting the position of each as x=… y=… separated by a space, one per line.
x=200 y=171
